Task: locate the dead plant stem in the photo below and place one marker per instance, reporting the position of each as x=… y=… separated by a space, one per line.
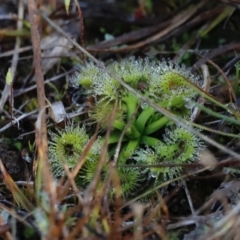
x=39 y=73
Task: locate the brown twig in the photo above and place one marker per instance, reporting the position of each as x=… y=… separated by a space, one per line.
x=230 y=88
x=175 y=22
x=39 y=73
x=216 y=52
x=81 y=27
x=142 y=33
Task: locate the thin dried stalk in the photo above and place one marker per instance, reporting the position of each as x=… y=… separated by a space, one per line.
x=39 y=77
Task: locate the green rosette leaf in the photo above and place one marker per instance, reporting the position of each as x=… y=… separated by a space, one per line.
x=66 y=145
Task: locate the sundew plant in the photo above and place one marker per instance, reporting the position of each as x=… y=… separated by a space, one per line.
x=149 y=136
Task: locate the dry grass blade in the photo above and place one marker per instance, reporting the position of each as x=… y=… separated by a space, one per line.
x=164 y=185
x=16 y=192
x=173 y=24
x=230 y=88
x=227 y=226
x=206 y=88
x=45 y=181
x=39 y=77
x=216 y=52
x=7 y=88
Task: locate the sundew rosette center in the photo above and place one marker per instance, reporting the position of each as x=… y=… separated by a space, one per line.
x=68 y=145
x=147 y=136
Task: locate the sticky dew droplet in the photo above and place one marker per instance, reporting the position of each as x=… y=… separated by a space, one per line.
x=144 y=105
x=173 y=183
x=225 y=171
x=179 y=184
x=154 y=174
